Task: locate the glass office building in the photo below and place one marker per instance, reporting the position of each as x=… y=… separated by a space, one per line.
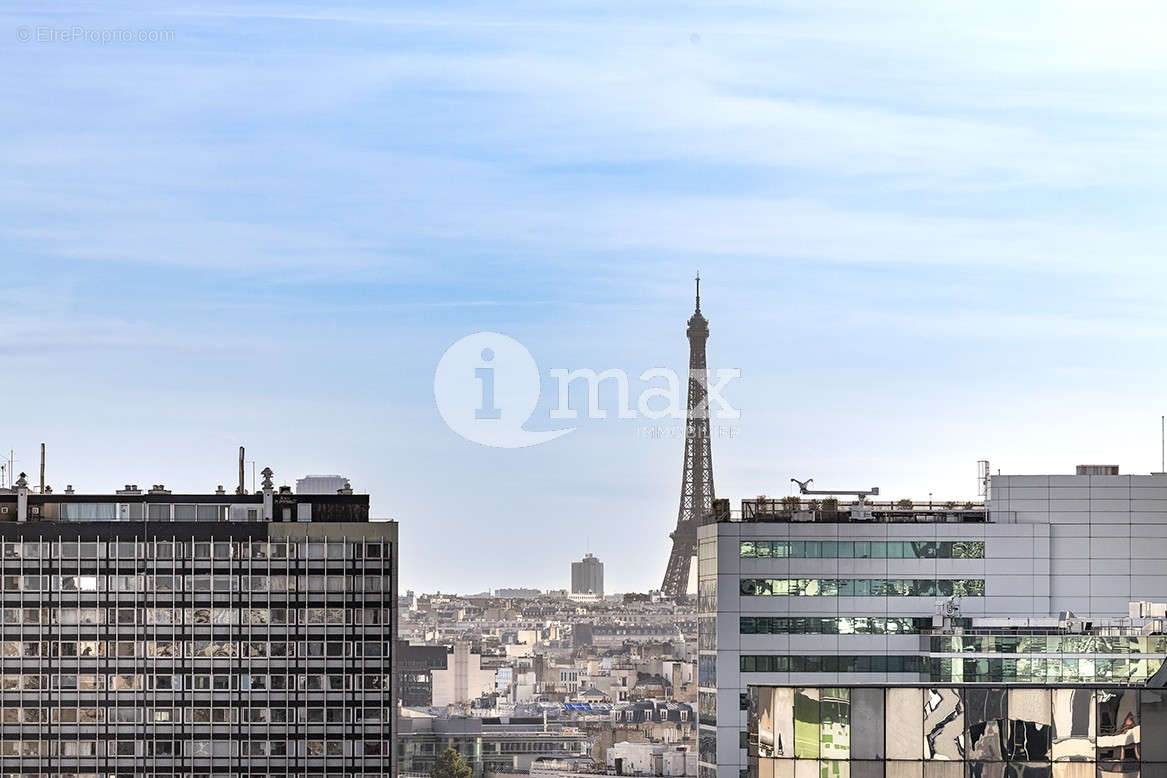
x=1029 y=587
x=190 y=635
x=944 y=731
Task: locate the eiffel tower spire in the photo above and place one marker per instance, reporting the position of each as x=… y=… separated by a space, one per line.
x=697 y=470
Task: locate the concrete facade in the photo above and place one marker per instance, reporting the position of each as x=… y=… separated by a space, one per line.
x=463 y=679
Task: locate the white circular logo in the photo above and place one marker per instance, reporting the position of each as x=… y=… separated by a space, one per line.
x=486 y=387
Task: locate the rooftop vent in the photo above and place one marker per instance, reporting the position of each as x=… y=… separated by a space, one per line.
x=220 y=490
x=130 y=489
x=159 y=489
x=69 y=489
x=1097 y=470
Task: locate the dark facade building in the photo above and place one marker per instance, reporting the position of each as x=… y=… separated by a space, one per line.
x=414 y=667
x=164 y=634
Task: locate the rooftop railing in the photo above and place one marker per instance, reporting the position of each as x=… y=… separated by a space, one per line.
x=795 y=509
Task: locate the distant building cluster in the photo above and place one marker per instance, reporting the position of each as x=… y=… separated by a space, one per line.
x=549 y=682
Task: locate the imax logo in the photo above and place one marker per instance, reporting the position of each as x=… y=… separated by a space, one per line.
x=487 y=387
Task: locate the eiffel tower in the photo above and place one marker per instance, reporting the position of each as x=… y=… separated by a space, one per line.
x=697 y=471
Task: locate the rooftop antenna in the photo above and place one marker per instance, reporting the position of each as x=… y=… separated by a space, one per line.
x=862 y=494
x=698 y=279
x=42 y=468
x=1162 y=444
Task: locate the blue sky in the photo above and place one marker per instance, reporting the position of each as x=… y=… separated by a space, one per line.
x=929 y=234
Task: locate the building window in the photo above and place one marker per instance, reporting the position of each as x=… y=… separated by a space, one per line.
x=862 y=587
x=861 y=549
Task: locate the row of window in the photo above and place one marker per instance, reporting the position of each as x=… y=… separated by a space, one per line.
x=137 y=511
x=191 y=583
x=168 y=549
x=983 y=670
x=862 y=549
x=951 y=725
x=1049 y=644
x=192 y=616
x=220 y=715
x=191 y=649
x=122 y=682
x=193 y=748
x=847 y=625
x=876 y=663
x=1043 y=670
x=862 y=587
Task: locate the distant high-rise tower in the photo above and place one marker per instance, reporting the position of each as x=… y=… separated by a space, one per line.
x=587 y=576
x=697 y=471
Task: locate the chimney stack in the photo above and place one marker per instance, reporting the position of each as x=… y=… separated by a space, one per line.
x=240 y=489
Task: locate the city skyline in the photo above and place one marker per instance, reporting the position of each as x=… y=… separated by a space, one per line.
x=925 y=239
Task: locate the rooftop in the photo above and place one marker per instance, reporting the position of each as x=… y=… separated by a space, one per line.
x=797 y=509
x=22 y=503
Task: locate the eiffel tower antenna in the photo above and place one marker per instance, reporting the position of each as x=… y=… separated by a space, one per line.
x=697 y=469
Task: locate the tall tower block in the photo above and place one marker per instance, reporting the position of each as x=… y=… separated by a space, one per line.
x=697 y=470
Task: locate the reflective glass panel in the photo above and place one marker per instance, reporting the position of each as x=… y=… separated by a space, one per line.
x=943 y=724
x=985 y=720
x=905 y=724
x=1118 y=725
x=835 y=724
x=867 y=717
x=1154 y=720
x=1073 y=724
x=806 y=723
x=1028 y=735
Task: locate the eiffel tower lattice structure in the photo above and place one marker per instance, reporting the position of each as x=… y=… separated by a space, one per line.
x=697 y=470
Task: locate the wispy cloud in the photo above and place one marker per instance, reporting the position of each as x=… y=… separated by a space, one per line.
x=288 y=211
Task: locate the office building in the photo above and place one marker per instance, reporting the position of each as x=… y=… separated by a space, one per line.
x=196 y=634
x=958 y=731
x=821 y=593
x=587 y=576
x=489 y=745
